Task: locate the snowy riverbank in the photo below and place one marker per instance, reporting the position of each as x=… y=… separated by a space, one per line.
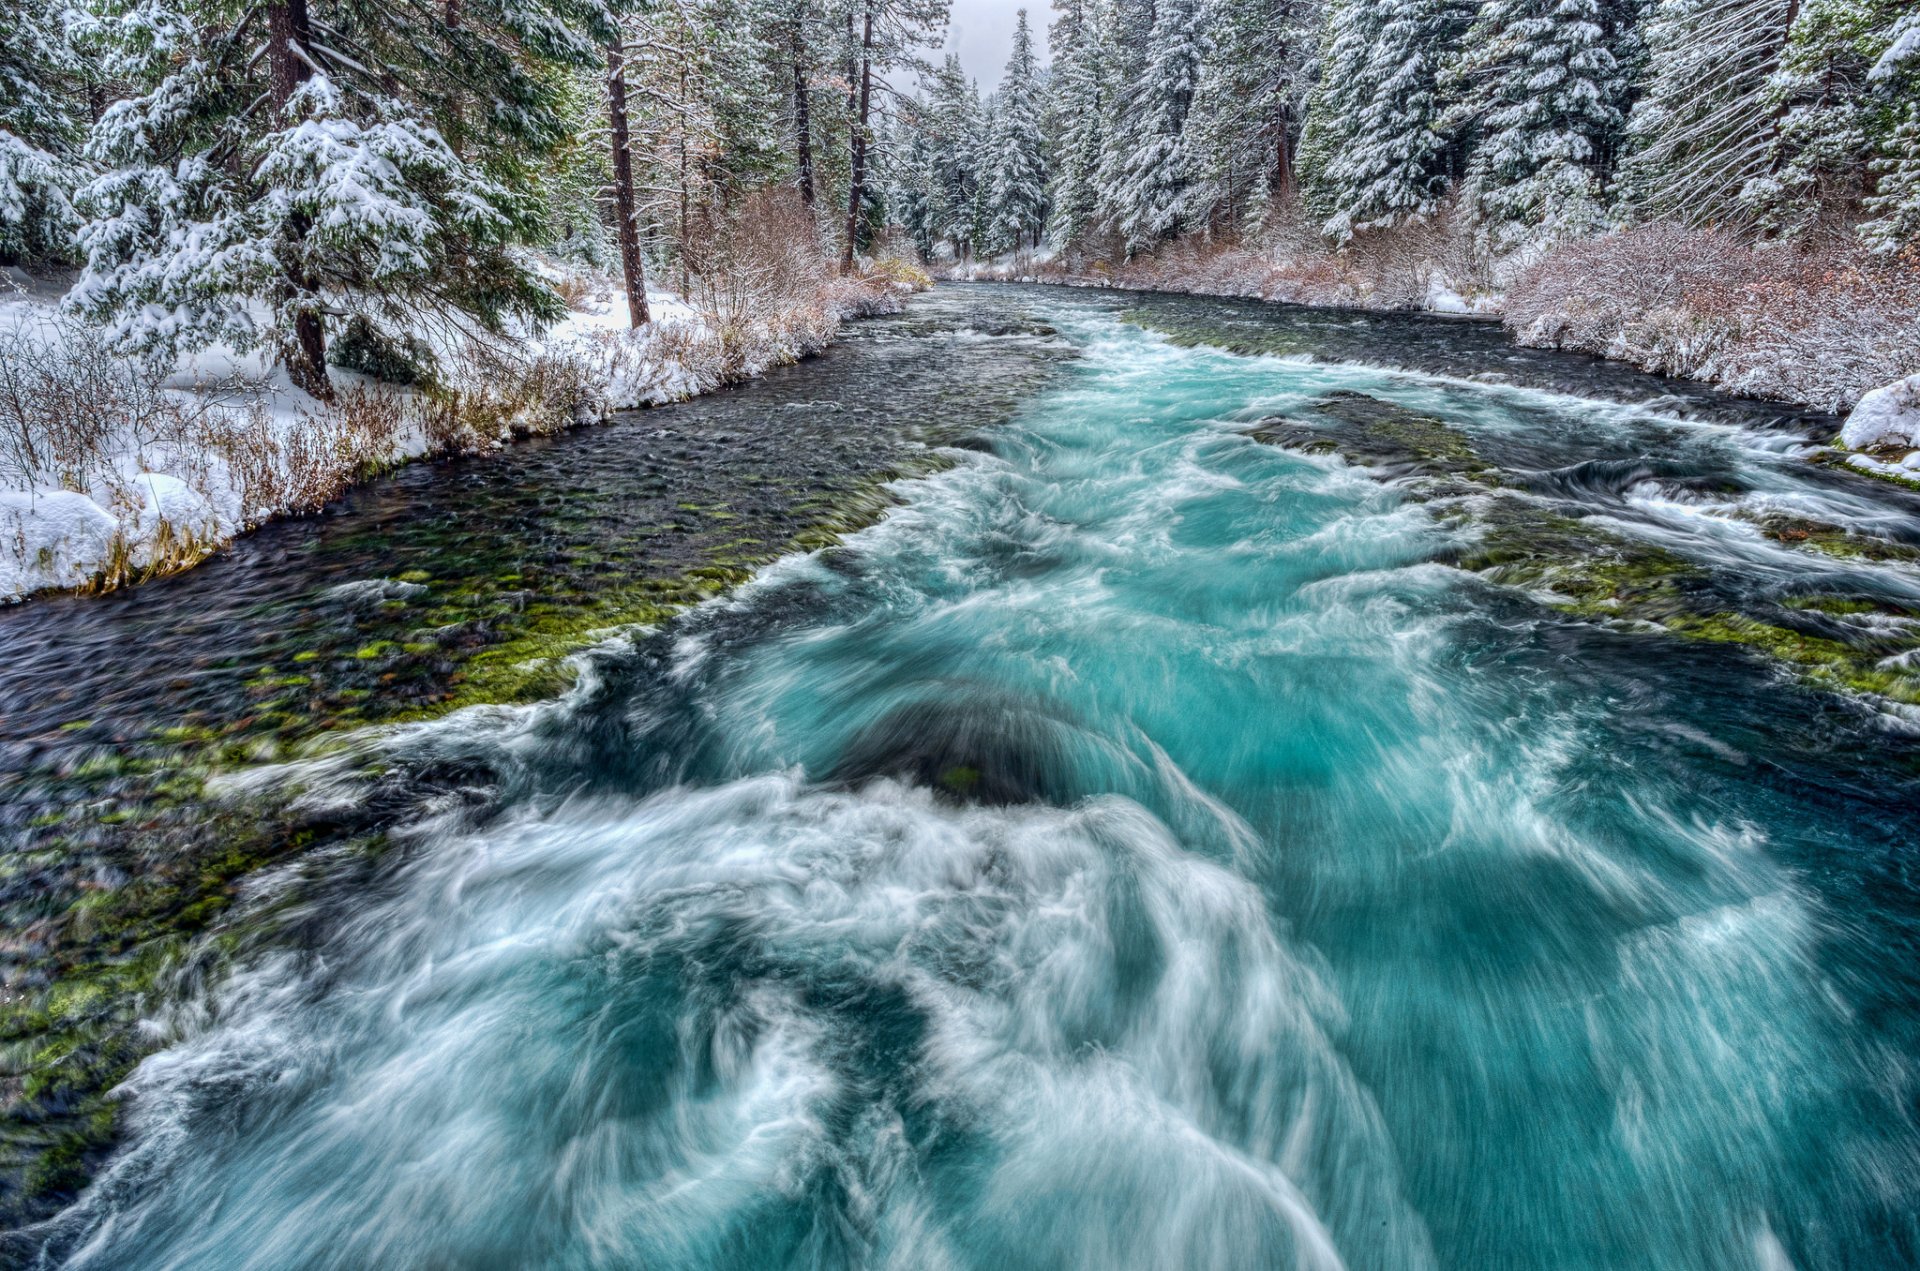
x=112 y=472
x=1818 y=324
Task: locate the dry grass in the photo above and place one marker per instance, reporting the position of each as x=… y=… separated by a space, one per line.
x=1287 y=261
x=1817 y=321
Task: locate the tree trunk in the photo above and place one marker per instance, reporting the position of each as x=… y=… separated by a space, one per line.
x=1283 y=156
x=632 y=269
x=802 y=121
x=857 y=185
x=457 y=122
x=685 y=199
x=305 y=354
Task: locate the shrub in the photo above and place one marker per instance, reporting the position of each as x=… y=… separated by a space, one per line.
x=364 y=348
x=1817 y=320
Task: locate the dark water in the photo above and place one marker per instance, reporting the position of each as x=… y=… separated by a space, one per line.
x=1145 y=848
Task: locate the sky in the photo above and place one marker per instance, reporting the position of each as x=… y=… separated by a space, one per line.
x=981 y=32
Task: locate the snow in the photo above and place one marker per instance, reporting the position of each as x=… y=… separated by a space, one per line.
x=1888 y=416
x=148 y=501
x=1905 y=48
x=51 y=538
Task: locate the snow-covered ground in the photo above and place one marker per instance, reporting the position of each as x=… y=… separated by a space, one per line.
x=111 y=472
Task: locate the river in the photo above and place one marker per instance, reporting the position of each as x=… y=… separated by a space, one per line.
x=1382 y=798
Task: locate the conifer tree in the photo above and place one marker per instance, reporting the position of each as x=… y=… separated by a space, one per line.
x=1017 y=175
x=1894 y=81
x=1543 y=95
x=1149 y=180
x=1704 y=126
x=42 y=86
x=293 y=158
x=1386 y=157
x=1247 y=108
x=1075 y=111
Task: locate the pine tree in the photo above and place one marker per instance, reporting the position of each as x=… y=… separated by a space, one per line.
x=1704 y=126
x=1150 y=177
x=1386 y=157
x=953 y=126
x=318 y=179
x=1247 y=107
x=42 y=81
x=1017 y=175
x=1544 y=94
x=1075 y=111
x=884 y=35
x=1894 y=82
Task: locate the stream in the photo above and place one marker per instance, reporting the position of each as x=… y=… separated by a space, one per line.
x=1279 y=788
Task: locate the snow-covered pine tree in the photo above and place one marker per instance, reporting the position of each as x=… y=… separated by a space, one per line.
x=1705 y=123
x=1894 y=206
x=953 y=127
x=1150 y=179
x=42 y=92
x=1075 y=111
x=1543 y=98
x=1017 y=177
x=912 y=174
x=979 y=160
x=1828 y=126
x=1247 y=107
x=1385 y=157
x=1125 y=29
x=285 y=163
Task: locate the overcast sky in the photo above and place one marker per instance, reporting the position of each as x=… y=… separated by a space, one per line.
x=982 y=34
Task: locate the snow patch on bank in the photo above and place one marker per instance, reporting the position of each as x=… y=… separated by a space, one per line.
x=94 y=493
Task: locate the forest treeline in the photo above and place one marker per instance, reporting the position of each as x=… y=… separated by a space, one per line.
x=270 y=173
x=1539 y=121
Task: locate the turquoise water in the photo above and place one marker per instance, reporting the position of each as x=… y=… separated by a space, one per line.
x=1143 y=849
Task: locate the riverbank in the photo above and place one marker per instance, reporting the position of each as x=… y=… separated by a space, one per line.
x=1817 y=323
x=113 y=472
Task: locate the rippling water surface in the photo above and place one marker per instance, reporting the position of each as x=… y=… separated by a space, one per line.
x=1143 y=849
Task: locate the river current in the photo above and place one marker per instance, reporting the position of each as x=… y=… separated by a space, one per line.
x=1146 y=847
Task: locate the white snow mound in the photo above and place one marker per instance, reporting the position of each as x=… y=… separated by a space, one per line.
x=1887 y=416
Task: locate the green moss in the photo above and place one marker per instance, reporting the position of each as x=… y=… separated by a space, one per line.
x=1595 y=572
x=1832 y=540
x=1829 y=663
x=1253 y=340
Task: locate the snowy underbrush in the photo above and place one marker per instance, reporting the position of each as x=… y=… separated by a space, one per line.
x=1818 y=322
x=1426 y=266
x=113 y=470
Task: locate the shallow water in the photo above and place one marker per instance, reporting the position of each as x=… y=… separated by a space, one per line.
x=1143 y=849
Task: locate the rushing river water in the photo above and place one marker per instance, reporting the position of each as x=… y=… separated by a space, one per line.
x=1145 y=848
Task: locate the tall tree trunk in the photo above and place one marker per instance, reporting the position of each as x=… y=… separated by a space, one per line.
x=1283 y=185
x=306 y=353
x=802 y=121
x=685 y=200
x=457 y=123
x=857 y=185
x=632 y=269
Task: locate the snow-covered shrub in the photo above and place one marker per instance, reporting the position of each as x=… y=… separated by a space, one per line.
x=71 y=412
x=1817 y=321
